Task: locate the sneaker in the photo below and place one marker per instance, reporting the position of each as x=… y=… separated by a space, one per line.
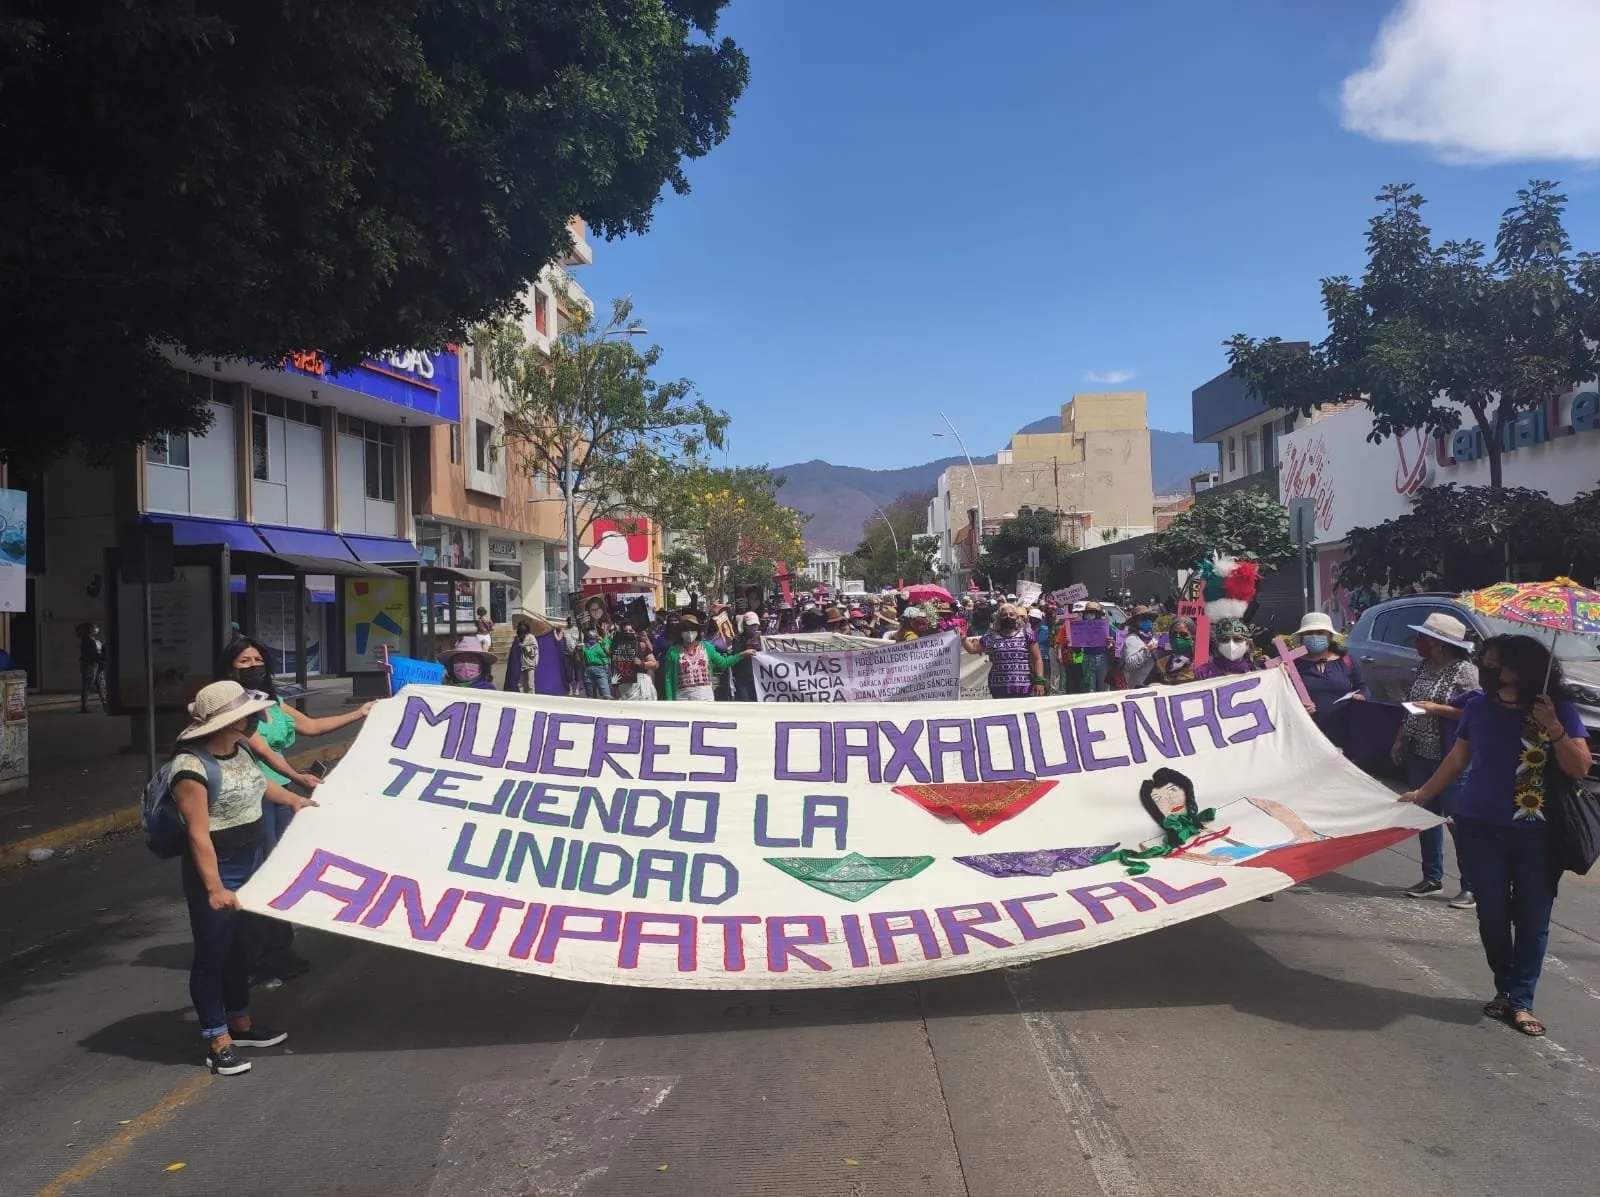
x=224 y=1061
x=1464 y=901
x=1425 y=889
x=259 y=1037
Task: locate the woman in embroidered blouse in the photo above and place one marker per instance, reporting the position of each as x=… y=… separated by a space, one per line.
x=1520 y=727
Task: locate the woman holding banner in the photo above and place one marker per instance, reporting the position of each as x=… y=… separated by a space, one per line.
x=690 y=666
x=1016 y=668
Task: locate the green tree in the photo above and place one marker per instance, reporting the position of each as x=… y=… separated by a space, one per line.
x=1249 y=524
x=591 y=417
x=1005 y=551
x=1429 y=326
x=732 y=518
x=888 y=553
x=240 y=179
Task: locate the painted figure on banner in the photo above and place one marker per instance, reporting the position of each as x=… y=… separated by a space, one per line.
x=468 y=665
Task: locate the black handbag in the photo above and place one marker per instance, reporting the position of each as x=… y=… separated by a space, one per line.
x=1573 y=813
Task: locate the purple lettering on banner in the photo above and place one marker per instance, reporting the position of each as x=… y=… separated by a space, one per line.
x=605 y=747
x=546 y=793
x=489 y=917
x=844 y=751
x=824 y=770
x=962 y=746
x=403 y=891
x=986 y=766
x=1069 y=751
x=497 y=855
x=514 y=807
x=1254 y=709
x=957 y=930
x=683 y=937
x=764 y=838
x=656 y=864
x=1161 y=737
x=502 y=796
x=588 y=879
x=311 y=880
x=782 y=944
x=442 y=783
x=651 y=750
x=1087 y=737
x=903 y=756
x=1182 y=724
x=496 y=756
x=1017 y=908
x=681 y=803
x=1094 y=899
x=1169 y=895
x=631 y=822
x=522 y=945
x=885 y=934
x=697 y=879
x=418 y=711
x=733 y=926
x=402 y=779
x=553 y=743
x=855 y=940
x=530 y=761
x=825 y=812
x=545 y=864
x=569 y=875
x=728 y=756
x=610 y=817
x=556 y=929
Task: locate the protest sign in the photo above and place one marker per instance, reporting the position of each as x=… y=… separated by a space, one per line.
x=927 y=668
x=1067 y=595
x=753 y=846
x=1028 y=593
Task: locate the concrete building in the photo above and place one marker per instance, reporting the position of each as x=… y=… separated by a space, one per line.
x=1094 y=474
x=823 y=565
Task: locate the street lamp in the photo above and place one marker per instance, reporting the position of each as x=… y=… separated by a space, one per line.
x=977 y=491
x=892 y=532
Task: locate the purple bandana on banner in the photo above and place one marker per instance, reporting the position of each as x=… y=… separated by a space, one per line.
x=1033 y=864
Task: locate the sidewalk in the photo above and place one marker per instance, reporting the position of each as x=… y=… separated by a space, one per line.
x=83 y=785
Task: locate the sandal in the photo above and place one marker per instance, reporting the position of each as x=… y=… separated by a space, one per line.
x=1500 y=1007
x=1524 y=1021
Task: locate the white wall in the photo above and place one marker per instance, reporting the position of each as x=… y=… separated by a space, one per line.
x=352 y=484
x=207 y=485
x=303 y=459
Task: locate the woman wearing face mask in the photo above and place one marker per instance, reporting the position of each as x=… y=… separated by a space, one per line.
x=1330 y=676
x=1512 y=735
x=688 y=670
x=1446 y=675
x=468 y=666
x=596 y=665
x=225 y=848
x=1230 y=650
x=271 y=734
x=1175 y=662
x=1016 y=669
x=1139 y=647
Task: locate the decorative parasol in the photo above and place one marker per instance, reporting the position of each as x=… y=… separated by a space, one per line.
x=1560 y=606
x=923 y=591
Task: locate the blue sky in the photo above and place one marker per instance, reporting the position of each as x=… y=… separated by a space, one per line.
x=928 y=205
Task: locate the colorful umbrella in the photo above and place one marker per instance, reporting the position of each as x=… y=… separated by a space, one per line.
x=1560 y=606
x=924 y=591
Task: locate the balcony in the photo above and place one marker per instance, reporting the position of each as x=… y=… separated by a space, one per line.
x=582 y=252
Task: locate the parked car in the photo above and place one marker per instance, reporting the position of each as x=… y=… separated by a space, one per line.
x=1381 y=645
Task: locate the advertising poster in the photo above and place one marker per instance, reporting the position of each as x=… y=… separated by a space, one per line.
x=13 y=550
x=376 y=615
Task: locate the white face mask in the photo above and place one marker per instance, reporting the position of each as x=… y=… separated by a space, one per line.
x=689 y=637
x=1233 y=650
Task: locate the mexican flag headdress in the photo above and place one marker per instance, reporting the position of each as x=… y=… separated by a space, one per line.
x=1228 y=587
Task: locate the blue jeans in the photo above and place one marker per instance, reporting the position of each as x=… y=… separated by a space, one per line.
x=1097 y=669
x=1512 y=880
x=219 y=977
x=596 y=681
x=1431 y=841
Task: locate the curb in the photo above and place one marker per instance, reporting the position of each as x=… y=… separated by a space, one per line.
x=72 y=835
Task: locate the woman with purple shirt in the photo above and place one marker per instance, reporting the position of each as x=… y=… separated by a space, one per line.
x=1016 y=669
x=1519 y=728
x=1230 y=650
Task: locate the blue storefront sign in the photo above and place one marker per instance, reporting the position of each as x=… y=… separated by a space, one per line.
x=1528 y=428
x=420 y=380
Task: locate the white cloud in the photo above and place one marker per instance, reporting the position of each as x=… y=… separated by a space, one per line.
x=1483 y=80
x=1111 y=376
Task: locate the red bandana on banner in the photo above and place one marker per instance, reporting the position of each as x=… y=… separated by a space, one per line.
x=979 y=804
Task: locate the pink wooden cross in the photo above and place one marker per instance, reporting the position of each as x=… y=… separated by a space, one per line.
x=1285 y=661
x=1195 y=611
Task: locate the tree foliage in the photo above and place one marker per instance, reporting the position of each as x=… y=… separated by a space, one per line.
x=1465 y=537
x=243 y=180
x=1249 y=524
x=1005 y=551
x=732 y=518
x=1428 y=326
x=592 y=400
x=888 y=552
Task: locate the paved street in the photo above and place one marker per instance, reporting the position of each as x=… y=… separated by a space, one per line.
x=1327 y=1043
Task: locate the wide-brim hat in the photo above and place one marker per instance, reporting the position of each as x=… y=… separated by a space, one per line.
x=1445 y=628
x=1315 y=621
x=1142 y=612
x=467 y=646
x=688 y=619
x=218 y=705
x=750 y=619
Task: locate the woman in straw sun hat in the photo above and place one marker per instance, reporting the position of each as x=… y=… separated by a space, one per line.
x=226 y=846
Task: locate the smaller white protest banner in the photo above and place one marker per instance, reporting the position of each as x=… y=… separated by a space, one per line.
x=1028 y=593
x=922 y=669
x=1075 y=593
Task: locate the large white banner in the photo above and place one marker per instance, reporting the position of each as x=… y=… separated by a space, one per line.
x=754 y=846
x=924 y=669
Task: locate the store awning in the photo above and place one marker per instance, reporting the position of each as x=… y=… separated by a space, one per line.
x=383 y=550
x=460 y=573
x=305 y=542
x=197 y=530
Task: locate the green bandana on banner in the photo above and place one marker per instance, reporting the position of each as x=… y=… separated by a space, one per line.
x=1182 y=827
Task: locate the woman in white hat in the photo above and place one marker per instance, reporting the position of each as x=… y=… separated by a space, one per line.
x=226 y=846
x=1446 y=674
x=1330 y=676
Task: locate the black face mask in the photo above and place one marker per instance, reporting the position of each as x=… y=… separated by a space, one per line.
x=1007 y=626
x=255 y=677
